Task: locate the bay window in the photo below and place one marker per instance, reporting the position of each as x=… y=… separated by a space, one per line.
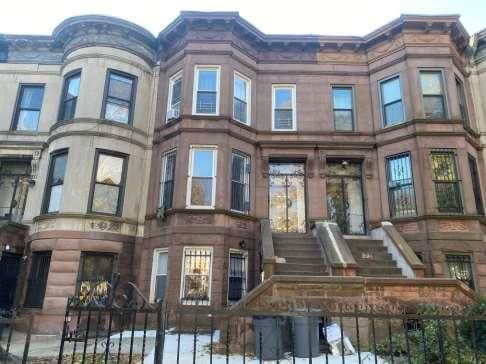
x=446 y=181
x=70 y=96
x=206 y=90
x=433 y=99
x=460 y=267
x=159 y=275
x=241 y=99
x=174 y=101
x=119 y=97
x=108 y=183
x=240 y=182
x=391 y=101
x=95 y=277
x=167 y=179
x=461 y=98
x=55 y=181
x=401 y=193
x=201 y=184
x=196 y=276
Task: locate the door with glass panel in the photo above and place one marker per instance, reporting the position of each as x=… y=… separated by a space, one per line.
x=345 y=196
x=287 y=197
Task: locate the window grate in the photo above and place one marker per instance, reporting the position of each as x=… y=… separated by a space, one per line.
x=401 y=192
x=236 y=277
x=446 y=181
x=460 y=267
x=197 y=276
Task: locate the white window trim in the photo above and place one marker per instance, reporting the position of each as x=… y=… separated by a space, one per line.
x=248 y=157
x=382 y=104
x=172 y=80
x=353 y=106
x=163 y=164
x=210 y=286
x=192 y=148
x=444 y=90
x=154 y=270
x=197 y=68
x=248 y=97
x=245 y=254
x=292 y=87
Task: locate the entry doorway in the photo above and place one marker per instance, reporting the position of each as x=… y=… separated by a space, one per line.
x=345 y=196
x=9 y=271
x=287 y=197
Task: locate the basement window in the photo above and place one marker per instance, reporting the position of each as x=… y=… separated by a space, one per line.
x=196 y=278
x=460 y=267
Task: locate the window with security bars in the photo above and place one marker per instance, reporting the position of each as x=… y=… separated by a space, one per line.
x=174 y=101
x=207 y=90
x=70 y=96
x=159 y=275
x=283 y=113
x=236 y=276
x=401 y=193
x=460 y=267
x=36 y=284
x=241 y=99
x=167 y=179
x=461 y=98
x=119 y=97
x=196 y=278
x=433 y=99
x=446 y=182
x=343 y=108
x=240 y=182
x=476 y=184
x=95 y=277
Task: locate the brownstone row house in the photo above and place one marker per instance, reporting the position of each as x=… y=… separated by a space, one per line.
x=214 y=160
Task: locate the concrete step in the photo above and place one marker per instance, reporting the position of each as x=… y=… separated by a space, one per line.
x=304 y=260
x=291 y=267
x=308 y=244
x=377 y=271
x=292 y=236
x=300 y=273
x=376 y=262
x=365 y=242
x=300 y=252
x=375 y=253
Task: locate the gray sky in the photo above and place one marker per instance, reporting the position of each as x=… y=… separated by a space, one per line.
x=336 y=17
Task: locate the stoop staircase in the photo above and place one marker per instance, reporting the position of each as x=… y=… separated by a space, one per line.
x=373 y=258
x=302 y=255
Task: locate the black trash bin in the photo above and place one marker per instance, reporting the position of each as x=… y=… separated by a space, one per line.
x=305 y=331
x=268 y=337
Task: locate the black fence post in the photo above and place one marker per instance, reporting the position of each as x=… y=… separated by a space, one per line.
x=27 y=340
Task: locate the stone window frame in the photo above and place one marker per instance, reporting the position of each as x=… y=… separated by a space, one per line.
x=163 y=177
x=175 y=77
x=197 y=69
x=62 y=103
x=154 y=273
x=353 y=107
x=18 y=101
x=244 y=253
x=48 y=186
x=131 y=107
x=382 y=81
x=246 y=79
x=470 y=255
x=247 y=157
x=122 y=185
x=210 y=277
x=192 y=148
x=293 y=88
x=444 y=90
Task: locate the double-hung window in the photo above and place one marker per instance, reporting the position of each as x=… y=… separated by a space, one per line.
x=401 y=193
x=460 y=267
x=240 y=182
x=55 y=181
x=119 y=97
x=283 y=107
x=196 y=277
x=201 y=189
x=206 y=90
x=70 y=96
x=476 y=184
x=108 y=183
x=237 y=276
x=95 y=277
x=342 y=101
x=461 y=98
x=241 y=99
x=174 y=100
x=433 y=94
x=159 y=275
x=446 y=181
x=391 y=101
x=167 y=179
x=28 y=109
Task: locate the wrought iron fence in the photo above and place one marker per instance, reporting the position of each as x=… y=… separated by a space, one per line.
x=128 y=329
x=8 y=337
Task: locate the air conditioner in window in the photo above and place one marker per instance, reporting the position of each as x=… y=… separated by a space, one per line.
x=172 y=113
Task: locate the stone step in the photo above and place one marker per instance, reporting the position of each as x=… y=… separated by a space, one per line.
x=365 y=243
x=300 y=253
x=379 y=272
x=309 y=244
x=372 y=255
x=292 y=236
x=300 y=273
x=304 y=260
x=291 y=267
x=376 y=262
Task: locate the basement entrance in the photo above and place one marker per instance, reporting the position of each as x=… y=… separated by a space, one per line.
x=287 y=197
x=9 y=270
